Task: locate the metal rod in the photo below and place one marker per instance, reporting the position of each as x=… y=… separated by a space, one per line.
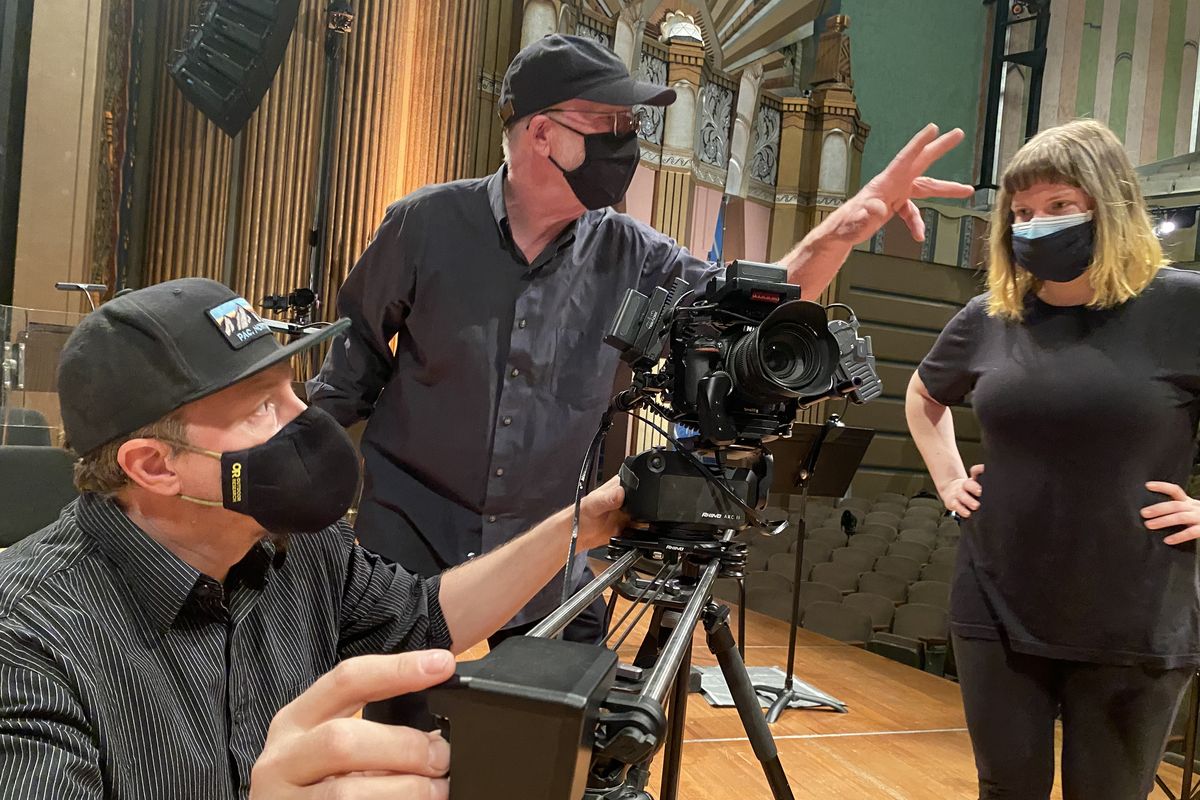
x=233 y=209
x=1040 y=33
x=559 y=619
x=987 y=150
x=669 y=786
x=338 y=27
x=659 y=584
x=659 y=682
x=797 y=576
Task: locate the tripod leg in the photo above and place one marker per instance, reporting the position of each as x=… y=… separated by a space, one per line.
x=720 y=642
x=669 y=788
x=742 y=618
x=656 y=634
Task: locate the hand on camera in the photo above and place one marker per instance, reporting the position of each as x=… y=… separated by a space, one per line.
x=600 y=515
x=1180 y=510
x=317 y=748
x=961 y=495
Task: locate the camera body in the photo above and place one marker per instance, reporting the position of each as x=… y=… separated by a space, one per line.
x=298 y=304
x=743 y=359
x=741 y=362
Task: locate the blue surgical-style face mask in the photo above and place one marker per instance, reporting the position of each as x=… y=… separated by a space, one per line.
x=1057 y=249
x=1038 y=227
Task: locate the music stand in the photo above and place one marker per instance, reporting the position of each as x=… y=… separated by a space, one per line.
x=817 y=460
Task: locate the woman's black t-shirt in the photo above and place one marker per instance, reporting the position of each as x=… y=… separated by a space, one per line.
x=1079 y=408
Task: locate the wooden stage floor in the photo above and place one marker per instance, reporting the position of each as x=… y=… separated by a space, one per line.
x=904 y=737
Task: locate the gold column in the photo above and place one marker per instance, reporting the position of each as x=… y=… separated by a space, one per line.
x=841 y=133
x=788 y=222
x=440 y=99
x=673 y=189
x=816 y=173
x=501 y=41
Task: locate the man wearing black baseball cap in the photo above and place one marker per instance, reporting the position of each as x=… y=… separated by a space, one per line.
x=497 y=292
x=204 y=580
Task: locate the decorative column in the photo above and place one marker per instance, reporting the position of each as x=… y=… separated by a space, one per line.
x=539 y=19
x=630 y=26
x=788 y=223
x=737 y=178
x=821 y=146
x=842 y=132
x=673 y=191
x=501 y=41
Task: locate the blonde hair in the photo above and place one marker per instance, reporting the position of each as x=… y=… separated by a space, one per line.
x=1087 y=155
x=98 y=471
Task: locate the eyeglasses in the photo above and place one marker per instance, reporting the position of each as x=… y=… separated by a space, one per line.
x=623 y=122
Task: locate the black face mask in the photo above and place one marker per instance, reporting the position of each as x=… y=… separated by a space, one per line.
x=301 y=480
x=609 y=162
x=1060 y=257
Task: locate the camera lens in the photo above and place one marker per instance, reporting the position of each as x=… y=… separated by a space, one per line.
x=784 y=357
x=787 y=355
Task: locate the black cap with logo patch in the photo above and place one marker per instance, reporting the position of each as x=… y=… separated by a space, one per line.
x=144 y=354
x=557 y=67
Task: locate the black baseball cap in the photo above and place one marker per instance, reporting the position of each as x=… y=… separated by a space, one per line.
x=557 y=67
x=144 y=354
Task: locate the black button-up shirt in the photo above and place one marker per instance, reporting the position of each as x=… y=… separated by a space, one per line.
x=125 y=673
x=480 y=420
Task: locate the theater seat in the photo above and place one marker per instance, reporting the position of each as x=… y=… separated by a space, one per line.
x=35 y=484
x=23 y=426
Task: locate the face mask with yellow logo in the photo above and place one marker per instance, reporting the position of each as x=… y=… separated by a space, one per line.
x=301 y=480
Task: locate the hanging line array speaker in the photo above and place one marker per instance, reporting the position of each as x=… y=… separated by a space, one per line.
x=230 y=57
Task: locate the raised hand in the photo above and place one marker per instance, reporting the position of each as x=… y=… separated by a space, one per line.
x=893 y=190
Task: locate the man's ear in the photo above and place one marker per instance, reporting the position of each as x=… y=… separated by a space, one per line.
x=147 y=462
x=538 y=134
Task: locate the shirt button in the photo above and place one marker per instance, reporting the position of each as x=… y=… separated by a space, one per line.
x=499 y=472
x=470 y=555
x=506 y=421
x=492 y=518
x=521 y=324
x=515 y=372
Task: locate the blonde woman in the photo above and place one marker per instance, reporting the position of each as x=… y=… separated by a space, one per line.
x=1076 y=585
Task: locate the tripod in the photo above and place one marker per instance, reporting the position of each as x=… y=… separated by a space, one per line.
x=844 y=460
x=684 y=585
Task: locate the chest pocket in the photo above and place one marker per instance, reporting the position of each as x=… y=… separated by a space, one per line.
x=583 y=368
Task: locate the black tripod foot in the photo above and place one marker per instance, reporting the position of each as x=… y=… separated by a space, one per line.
x=722 y=645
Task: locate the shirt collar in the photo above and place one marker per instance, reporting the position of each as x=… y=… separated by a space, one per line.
x=495 y=192
x=160 y=581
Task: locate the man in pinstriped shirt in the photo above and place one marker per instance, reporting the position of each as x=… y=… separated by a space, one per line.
x=150 y=635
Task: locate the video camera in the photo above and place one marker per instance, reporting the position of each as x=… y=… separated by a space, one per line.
x=542 y=717
x=741 y=362
x=298 y=304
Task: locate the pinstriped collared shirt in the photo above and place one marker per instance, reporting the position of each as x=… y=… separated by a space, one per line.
x=125 y=673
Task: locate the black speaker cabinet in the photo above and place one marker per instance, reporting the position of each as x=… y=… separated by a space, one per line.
x=230 y=56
